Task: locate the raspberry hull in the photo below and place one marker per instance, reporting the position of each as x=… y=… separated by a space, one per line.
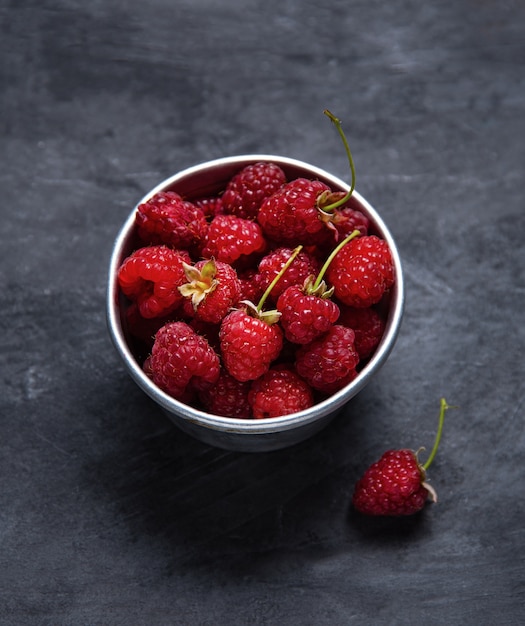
x=250 y=343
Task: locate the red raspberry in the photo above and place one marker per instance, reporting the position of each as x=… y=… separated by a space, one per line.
x=246 y=191
x=362 y=271
x=151 y=277
x=213 y=288
x=232 y=239
x=304 y=265
x=251 y=285
x=345 y=220
x=329 y=363
x=291 y=214
x=210 y=206
x=248 y=344
x=367 y=325
x=305 y=316
x=394 y=485
x=181 y=361
x=228 y=397
x=169 y=219
x=279 y=392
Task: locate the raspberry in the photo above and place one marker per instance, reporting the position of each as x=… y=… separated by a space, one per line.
x=346 y=220
x=396 y=484
x=211 y=206
x=151 y=277
x=367 y=325
x=291 y=214
x=212 y=289
x=304 y=316
x=279 y=392
x=251 y=285
x=228 y=397
x=232 y=239
x=392 y=486
x=246 y=190
x=181 y=361
x=329 y=362
x=169 y=219
x=271 y=264
x=362 y=271
x=248 y=344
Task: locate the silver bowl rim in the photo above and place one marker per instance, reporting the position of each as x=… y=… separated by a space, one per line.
x=266 y=425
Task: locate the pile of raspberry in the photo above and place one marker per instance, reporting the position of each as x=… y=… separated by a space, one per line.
x=206 y=323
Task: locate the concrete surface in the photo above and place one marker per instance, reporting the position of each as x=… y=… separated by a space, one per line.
x=108 y=514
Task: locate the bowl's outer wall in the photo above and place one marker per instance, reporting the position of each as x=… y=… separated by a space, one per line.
x=209 y=179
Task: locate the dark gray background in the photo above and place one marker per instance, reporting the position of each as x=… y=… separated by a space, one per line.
x=110 y=515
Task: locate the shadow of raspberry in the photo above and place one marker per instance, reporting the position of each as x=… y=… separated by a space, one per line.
x=389 y=530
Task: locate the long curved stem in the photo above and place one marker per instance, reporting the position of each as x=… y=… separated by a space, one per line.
x=337 y=123
x=321 y=274
x=443 y=409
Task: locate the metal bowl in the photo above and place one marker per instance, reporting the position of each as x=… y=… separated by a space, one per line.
x=244 y=435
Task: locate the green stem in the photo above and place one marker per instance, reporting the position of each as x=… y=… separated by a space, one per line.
x=444 y=407
x=276 y=279
x=319 y=278
x=338 y=125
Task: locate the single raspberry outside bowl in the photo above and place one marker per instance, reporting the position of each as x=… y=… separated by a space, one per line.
x=248 y=435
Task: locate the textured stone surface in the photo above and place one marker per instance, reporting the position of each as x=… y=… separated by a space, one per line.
x=109 y=515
